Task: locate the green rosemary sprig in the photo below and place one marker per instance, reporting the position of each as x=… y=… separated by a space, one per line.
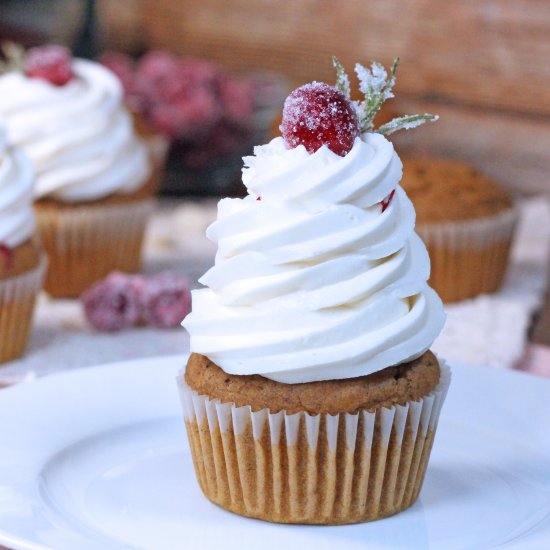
x=342 y=79
x=376 y=85
x=405 y=123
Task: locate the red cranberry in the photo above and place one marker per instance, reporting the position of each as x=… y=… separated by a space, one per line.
x=318 y=114
x=51 y=63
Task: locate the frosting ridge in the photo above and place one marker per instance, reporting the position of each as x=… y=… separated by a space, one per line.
x=314 y=281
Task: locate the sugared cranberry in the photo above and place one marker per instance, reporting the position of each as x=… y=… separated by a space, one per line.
x=114 y=303
x=51 y=63
x=166 y=300
x=318 y=114
x=387 y=200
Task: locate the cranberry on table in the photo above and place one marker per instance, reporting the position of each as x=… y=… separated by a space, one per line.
x=113 y=303
x=166 y=300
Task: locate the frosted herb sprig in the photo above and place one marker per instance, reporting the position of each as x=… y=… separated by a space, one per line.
x=376 y=85
x=14 y=55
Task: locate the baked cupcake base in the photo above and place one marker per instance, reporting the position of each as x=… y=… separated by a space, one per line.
x=85 y=242
x=18 y=294
x=312 y=468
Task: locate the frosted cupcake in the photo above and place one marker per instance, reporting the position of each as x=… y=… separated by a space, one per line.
x=467 y=222
x=22 y=264
x=93 y=190
x=311 y=395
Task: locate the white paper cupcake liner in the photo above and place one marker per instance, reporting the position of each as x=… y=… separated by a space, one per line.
x=302 y=468
x=17 y=300
x=86 y=243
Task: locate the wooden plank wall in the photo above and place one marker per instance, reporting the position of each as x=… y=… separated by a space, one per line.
x=481 y=64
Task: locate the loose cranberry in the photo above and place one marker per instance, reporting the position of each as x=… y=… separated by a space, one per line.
x=51 y=63
x=318 y=114
x=113 y=304
x=166 y=300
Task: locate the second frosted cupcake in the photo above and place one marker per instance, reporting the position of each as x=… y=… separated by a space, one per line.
x=93 y=173
x=466 y=220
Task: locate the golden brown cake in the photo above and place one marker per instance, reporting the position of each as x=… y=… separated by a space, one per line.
x=21 y=259
x=466 y=221
x=328 y=452
x=392 y=386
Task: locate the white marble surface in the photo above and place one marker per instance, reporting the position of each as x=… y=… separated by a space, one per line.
x=488 y=330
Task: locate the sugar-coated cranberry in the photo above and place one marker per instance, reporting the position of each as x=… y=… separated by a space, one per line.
x=166 y=300
x=113 y=303
x=318 y=114
x=51 y=63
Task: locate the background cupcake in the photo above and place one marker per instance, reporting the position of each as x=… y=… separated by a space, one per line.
x=466 y=220
x=22 y=264
x=93 y=174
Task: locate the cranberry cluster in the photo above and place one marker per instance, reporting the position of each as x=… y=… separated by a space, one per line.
x=121 y=301
x=191 y=101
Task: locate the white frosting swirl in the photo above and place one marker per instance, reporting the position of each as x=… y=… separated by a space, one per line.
x=17 y=222
x=79 y=136
x=314 y=281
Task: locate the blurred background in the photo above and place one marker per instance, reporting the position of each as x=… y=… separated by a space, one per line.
x=481 y=65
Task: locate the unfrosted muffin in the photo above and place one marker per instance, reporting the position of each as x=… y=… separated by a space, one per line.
x=467 y=222
x=94 y=187
x=310 y=395
x=22 y=262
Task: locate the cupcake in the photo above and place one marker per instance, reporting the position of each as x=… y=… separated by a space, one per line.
x=467 y=222
x=310 y=395
x=22 y=264
x=93 y=190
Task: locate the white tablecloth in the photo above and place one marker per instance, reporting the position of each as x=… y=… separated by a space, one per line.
x=488 y=330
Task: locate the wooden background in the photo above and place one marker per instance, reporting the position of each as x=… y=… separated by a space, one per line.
x=482 y=65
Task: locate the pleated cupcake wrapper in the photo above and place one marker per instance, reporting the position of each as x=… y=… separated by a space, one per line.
x=86 y=243
x=17 y=300
x=470 y=257
x=302 y=468
x=157 y=147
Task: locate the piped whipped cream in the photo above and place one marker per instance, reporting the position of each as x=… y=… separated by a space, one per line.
x=17 y=221
x=79 y=136
x=312 y=281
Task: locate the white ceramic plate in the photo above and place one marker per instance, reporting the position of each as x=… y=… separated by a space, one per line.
x=98 y=459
